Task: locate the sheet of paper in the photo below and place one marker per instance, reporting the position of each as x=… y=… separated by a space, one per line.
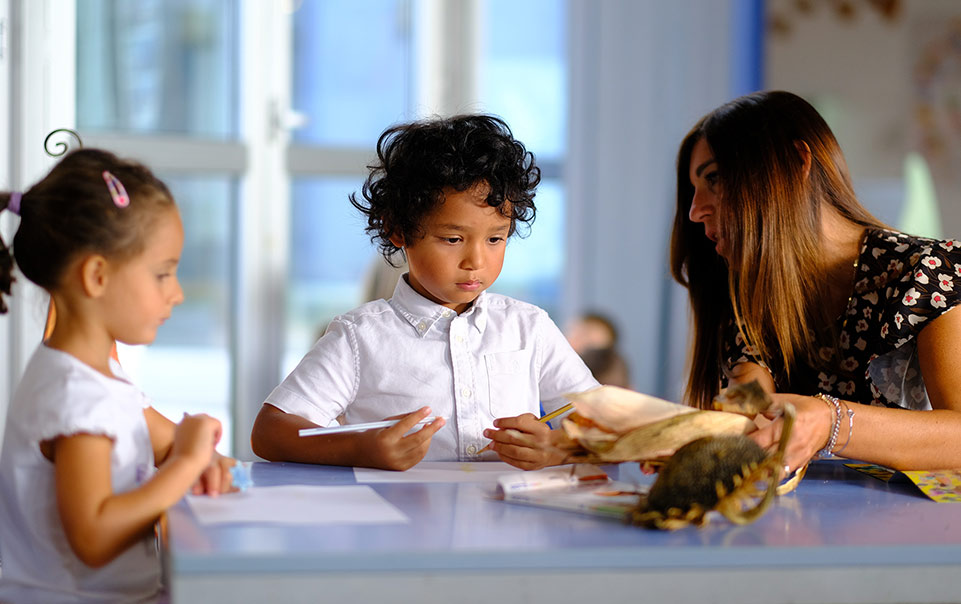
x=298 y=504
x=439 y=471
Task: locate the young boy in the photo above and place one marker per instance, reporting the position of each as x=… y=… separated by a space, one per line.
x=447 y=193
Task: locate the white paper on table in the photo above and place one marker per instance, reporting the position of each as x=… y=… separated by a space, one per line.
x=298 y=504
x=439 y=471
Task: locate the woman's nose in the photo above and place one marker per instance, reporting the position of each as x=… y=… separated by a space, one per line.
x=700 y=207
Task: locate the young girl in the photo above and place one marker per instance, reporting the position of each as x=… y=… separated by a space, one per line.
x=794 y=283
x=88 y=466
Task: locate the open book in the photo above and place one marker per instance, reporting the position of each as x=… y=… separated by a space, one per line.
x=584 y=488
x=939 y=485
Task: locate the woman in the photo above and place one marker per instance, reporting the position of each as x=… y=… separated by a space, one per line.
x=822 y=300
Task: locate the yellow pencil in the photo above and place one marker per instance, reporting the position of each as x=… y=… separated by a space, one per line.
x=544 y=418
x=554 y=414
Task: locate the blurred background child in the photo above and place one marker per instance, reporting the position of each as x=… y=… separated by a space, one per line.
x=591 y=330
x=595 y=337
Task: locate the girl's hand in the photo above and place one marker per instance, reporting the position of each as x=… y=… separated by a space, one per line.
x=390 y=449
x=812 y=428
x=195 y=438
x=524 y=442
x=216 y=478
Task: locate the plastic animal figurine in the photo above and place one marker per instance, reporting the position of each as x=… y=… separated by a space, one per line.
x=730 y=474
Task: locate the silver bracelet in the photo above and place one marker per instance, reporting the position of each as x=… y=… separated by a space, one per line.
x=850 y=427
x=826 y=452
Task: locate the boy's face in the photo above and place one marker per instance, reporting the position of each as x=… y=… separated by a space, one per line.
x=462 y=251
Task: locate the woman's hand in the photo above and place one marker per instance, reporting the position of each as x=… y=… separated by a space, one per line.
x=524 y=442
x=811 y=430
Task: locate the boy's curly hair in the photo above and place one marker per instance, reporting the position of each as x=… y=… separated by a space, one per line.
x=417 y=161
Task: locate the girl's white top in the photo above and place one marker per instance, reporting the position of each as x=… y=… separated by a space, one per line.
x=61 y=396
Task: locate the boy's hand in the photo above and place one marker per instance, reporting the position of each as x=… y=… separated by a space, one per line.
x=390 y=449
x=195 y=438
x=216 y=478
x=524 y=442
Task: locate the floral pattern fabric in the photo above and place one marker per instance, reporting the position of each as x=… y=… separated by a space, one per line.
x=902 y=283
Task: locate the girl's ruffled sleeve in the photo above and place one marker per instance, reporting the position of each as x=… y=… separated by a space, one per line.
x=77 y=408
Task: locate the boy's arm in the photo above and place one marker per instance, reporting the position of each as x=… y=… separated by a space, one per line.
x=275 y=437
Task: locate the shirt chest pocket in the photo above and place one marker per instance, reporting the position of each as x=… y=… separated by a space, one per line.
x=512 y=383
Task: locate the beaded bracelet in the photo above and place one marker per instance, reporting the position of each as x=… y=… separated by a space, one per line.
x=826 y=452
x=850 y=427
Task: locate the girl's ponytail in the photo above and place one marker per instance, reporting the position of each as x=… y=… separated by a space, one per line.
x=8 y=201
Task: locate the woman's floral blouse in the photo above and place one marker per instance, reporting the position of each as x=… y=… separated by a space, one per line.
x=901 y=284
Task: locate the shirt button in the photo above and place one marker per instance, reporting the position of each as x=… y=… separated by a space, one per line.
x=459 y=339
x=465 y=392
x=447 y=313
x=421 y=326
x=472 y=450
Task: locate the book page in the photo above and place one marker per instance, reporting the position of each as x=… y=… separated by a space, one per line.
x=583 y=488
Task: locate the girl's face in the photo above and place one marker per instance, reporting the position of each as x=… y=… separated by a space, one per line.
x=462 y=251
x=707 y=191
x=142 y=291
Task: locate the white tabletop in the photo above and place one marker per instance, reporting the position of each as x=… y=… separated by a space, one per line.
x=842 y=536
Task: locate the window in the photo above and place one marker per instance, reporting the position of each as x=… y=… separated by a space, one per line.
x=351 y=66
x=352 y=78
x=156 y=66
x=330 y=254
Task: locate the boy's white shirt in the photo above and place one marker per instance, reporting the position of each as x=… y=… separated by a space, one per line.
x=500 y=358
x=60 y=395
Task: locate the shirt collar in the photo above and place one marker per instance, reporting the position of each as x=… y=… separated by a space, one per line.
x=422 y=313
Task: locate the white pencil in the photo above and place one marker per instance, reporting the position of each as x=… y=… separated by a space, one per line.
x=387 y=423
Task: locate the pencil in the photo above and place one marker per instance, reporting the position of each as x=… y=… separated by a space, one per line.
x=387 y=423
x=544 y=418
x=553 y=414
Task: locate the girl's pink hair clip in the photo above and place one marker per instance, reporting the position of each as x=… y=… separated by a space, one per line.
x=117 y=192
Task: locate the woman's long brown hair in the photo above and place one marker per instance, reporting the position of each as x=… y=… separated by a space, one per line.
x=770 y=217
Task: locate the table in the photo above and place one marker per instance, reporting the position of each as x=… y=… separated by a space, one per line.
x=842 y=536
